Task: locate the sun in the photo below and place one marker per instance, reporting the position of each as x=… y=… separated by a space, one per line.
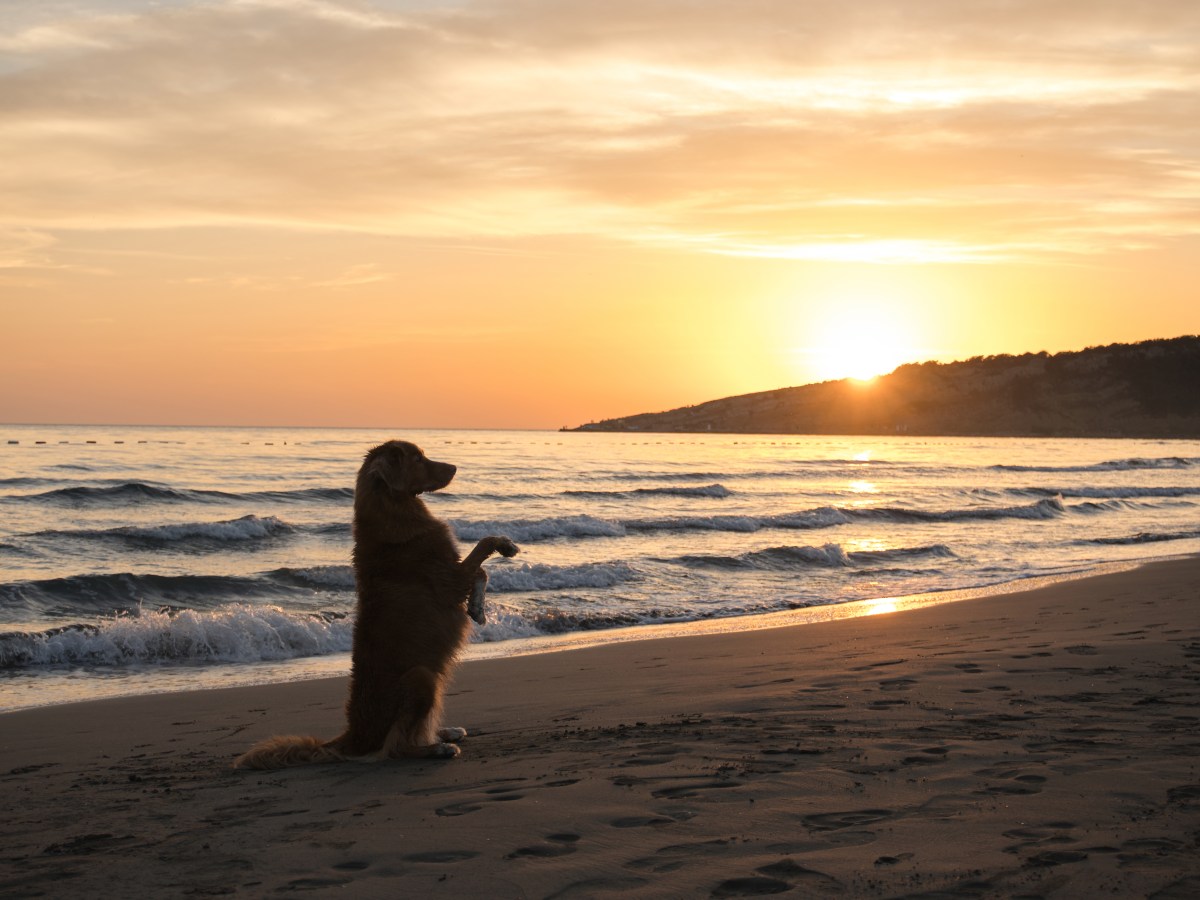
x=862 y=341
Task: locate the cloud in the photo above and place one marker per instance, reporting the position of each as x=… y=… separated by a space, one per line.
x=881 y=131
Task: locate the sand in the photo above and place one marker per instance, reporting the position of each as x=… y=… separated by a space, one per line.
x=1039 y=743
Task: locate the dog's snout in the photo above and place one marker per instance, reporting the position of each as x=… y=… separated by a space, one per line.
x=440 y=474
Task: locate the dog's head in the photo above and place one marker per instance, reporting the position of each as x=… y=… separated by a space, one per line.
x=402 y=468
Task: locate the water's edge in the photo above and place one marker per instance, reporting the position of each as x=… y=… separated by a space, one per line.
x=35 y=693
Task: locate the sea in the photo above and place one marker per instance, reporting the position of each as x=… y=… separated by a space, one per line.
x=139 y=560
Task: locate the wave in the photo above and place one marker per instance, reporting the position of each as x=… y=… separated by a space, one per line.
x=527 y=577
x=540 y=529
x=24 y=481
x=104 y=593
x=73 y=594
x=319 y=578
x=233 y=634
x=299 y=495
x=1048 y=508
x=828 y=555
x=198 y=535
x=1092 y=507
x=1113 y=465
x=821 y=517
x=242 y=633
x=1108 y=493
x=584 y=526
x=16 y=549
x=502 y=577
x=1144 y=537
x=140 y=492
x=718 y=491
x=132 y=492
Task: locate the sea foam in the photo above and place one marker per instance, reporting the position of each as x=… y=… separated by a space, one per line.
x=236 y=633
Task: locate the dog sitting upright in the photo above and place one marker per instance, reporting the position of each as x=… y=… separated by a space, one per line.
x=411 y=622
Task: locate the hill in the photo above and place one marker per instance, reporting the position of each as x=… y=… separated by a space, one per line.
x=1149 y=389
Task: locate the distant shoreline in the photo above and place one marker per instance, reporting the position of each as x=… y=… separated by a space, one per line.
x=1142 y=391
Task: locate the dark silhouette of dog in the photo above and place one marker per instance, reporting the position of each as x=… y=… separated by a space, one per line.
x=412 y=619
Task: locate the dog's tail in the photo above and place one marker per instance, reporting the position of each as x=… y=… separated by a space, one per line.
x=288 y=750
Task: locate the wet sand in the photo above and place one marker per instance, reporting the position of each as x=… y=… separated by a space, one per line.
x=1038 y=743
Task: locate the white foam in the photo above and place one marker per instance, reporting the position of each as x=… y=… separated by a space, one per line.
x=244 y=529
x=236 y=633
x=540 y=529
x=556 y=578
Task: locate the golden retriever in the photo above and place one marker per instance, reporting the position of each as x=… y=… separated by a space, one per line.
x=414 y=599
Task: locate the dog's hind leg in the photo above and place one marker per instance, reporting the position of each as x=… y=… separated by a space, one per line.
x=475 y=607
x=415 y=732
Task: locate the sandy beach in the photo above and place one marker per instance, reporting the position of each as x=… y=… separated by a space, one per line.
x=1038 y=743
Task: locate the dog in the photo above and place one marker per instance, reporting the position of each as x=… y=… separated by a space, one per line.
x=415 y=597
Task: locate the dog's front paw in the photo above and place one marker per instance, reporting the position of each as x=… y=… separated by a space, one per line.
x=505 y=547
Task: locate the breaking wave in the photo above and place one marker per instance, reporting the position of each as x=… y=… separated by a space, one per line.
x=245 y=529
x=234 y=634
x=557 y=578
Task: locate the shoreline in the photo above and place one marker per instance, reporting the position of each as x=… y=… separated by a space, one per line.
x=215 y=676
x=1038 y=742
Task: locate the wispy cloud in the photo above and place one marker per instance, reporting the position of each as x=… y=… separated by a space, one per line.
x=877 y=131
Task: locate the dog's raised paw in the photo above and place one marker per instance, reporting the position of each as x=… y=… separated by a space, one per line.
x=505 y=547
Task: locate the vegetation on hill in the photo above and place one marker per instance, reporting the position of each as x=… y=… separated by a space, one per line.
x=1149 y=389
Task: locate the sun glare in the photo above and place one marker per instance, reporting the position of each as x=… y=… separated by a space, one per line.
x=862 y=344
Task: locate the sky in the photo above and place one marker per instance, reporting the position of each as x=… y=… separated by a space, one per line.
x=529 y=214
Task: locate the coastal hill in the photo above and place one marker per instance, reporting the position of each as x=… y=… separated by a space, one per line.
x=1149 y=389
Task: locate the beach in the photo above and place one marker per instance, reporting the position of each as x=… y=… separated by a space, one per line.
x=1037 y=743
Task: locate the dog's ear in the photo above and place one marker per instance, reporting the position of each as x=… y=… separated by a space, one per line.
x=382 y=469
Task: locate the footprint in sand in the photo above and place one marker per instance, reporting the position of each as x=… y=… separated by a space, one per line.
x=555 y=845
x=676 y=856
x=810 y=880
x=836 y=821
x=755 y=886
x=695 y=789
x=441 y=856
x=779 y=878
x=590 y=887
x=1047 y=834
x=1021 y=784
x=506 y=793
x=641 y=821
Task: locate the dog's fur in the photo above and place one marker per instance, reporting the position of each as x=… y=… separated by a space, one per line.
x=412 y=618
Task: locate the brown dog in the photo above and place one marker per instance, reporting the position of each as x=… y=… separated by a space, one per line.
x=412 y=618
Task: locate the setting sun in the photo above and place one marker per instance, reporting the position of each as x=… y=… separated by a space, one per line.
x=860 y=344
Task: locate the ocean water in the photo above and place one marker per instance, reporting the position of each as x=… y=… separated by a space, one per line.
x=143 y=559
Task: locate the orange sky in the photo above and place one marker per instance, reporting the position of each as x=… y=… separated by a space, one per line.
x=533 y=214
